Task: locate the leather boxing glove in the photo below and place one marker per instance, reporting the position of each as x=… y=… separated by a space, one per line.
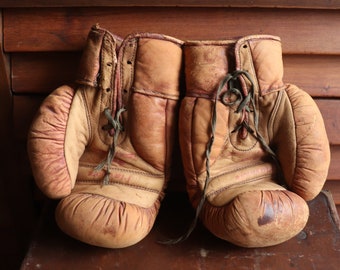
x=254 y=149
x=104 y=146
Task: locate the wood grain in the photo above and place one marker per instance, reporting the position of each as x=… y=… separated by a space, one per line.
x=42 y=72
x=316 y=74
x=24 y=109
x=330 y=110
x=302 y=30
x=334 y=169
x=206 y=3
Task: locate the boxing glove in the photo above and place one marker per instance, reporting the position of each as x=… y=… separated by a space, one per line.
x=103 y=147
x=254 y=149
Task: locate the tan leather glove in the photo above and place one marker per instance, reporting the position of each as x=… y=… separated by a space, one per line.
x=253 y=147
x=104 y=147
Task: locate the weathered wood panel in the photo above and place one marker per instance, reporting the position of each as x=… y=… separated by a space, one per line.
x=34 y=73
x=334 y=169
x=330 y=110
x=42 y=72
x=24 y=109
x=335 y=4
x=302 y=31
x=316 y=74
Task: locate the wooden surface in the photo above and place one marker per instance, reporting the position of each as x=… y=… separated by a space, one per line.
x=316 y=247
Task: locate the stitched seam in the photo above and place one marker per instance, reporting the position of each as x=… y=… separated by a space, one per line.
x=87 y=113
x=166 y=165
x=273 y=116
x=295 y=133
x=256 y=82
x=238 y=169
x=191 y=137
x=238 y=184
x=243 y=150
x=150 y=92
x=126 y=170
x=112 y=183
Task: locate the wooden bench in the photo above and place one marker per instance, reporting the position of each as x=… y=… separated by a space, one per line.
x=41 y=44
x=316 y=247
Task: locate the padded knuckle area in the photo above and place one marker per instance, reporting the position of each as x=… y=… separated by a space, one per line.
x=101 y=221
x=258 y=218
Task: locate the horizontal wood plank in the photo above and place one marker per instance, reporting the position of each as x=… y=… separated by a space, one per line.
x=34 y=73
x=302 y=30
x=334 y=168
x=330 y=110
x=42 y=72
x=24 y=109
x=316 y=74
x=196 y=3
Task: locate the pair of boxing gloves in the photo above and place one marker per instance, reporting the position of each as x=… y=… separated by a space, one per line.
x=254 y=149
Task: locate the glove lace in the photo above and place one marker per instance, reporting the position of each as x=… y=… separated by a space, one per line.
x=116 y=125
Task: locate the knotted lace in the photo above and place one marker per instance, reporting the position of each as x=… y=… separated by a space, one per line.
x=115 y=124
x=245 y=104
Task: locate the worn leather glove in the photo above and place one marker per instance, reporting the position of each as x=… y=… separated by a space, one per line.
x=104 y=146
x=254 y=149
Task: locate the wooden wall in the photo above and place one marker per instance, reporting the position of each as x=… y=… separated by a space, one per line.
x=41 y=43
